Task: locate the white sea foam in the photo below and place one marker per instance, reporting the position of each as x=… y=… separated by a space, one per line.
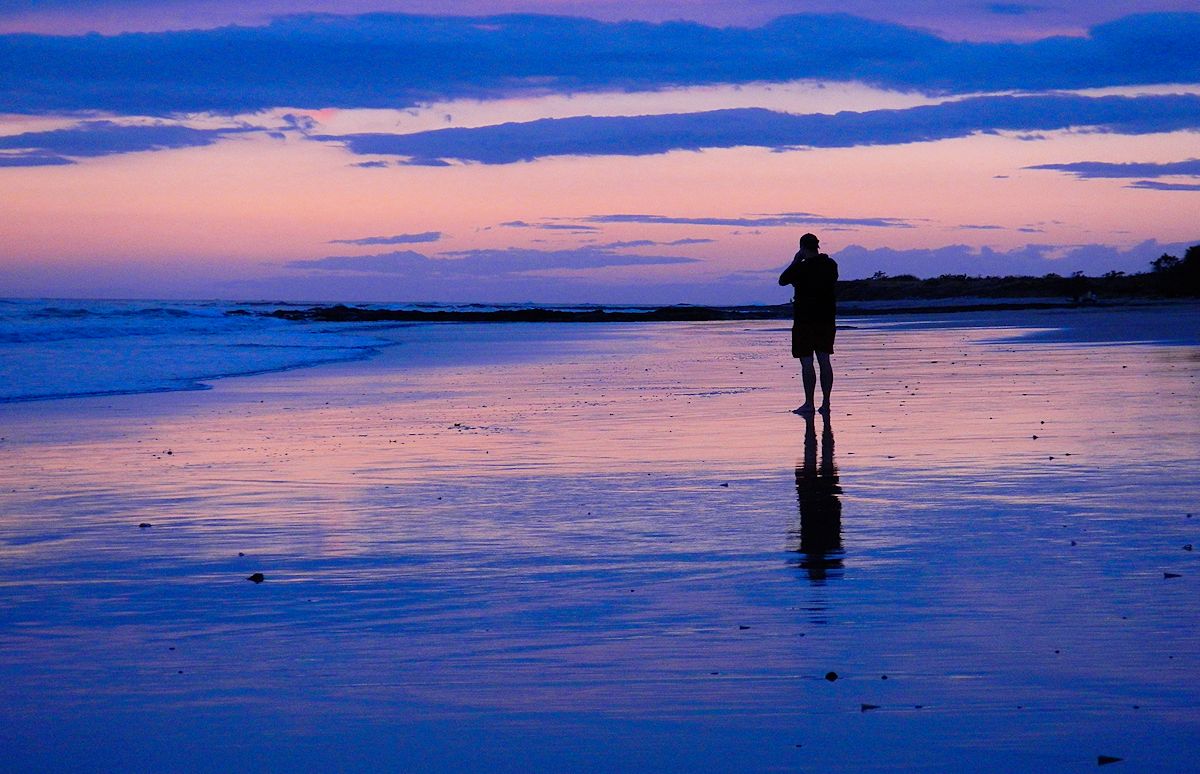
x=61 y=348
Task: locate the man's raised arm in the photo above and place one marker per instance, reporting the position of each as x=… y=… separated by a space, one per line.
x=788 y=276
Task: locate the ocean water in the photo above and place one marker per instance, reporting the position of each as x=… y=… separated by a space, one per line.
x=60 y=348
x=51 y=348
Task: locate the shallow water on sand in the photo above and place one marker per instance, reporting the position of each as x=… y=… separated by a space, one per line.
x=611 y=547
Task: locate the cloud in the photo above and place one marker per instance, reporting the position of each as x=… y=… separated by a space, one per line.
x=766 y=221
x=483 y=264
x=654 y=243
x=574 y=227
x=33 y=159
x=1155 y=185
x=652 y=134
x=397 y=61
x=424 y=163
x=1012 y=9
x=1034 y=259
x=90 y=139
x=398 y=239
x=1104 y=169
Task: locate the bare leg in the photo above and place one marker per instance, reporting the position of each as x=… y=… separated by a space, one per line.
x=826 y=380
x=809 y=375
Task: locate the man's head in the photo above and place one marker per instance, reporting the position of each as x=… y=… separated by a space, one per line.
x=809 y=244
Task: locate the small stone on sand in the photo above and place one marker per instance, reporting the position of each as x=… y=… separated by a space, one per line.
x=257 y=577
x=1104 y=760
x=743 y=626
x=831 y=676
x=866 y=707
x=1172 y=575
x=144 y=525
x=1187 y=547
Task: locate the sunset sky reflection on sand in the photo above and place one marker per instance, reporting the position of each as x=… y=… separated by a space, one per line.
x=495 y=547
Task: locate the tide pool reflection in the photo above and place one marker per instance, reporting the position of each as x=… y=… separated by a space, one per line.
x=817 y=490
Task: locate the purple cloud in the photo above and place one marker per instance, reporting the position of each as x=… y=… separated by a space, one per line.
x=652 y=134
x=396 y=61
x=1156 y=185
x=571 y=227
x=398 y=239
x=33 y=158
x=90 y=139
x=654 y=243
x=1012 y=9
x=767 y=221
x=483 y=265
x=1104 y=169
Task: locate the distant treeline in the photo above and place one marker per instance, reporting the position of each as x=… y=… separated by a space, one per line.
x=1168 y=277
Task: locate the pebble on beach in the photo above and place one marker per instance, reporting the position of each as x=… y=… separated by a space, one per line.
x=257 y=577
x=831 y=676
x=144 y=525
x=1104 y=760
x=868 y=707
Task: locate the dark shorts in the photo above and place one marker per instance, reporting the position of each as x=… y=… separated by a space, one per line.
x=808 y=337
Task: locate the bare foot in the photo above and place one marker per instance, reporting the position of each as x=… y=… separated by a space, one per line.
x=824 y=409
x=805 y=411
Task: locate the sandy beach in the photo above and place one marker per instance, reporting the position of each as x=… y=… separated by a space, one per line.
x=557 y=547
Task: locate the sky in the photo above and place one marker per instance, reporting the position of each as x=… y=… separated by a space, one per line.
x=584 y=151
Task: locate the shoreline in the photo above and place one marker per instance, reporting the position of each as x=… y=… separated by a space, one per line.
x=343 y=313
x=412 y=330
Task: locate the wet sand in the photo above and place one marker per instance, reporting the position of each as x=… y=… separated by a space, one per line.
x=564 y=547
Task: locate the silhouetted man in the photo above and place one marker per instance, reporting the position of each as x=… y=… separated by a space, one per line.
x=814 y=275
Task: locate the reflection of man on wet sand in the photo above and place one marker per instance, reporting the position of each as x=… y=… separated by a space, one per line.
x=817 y=492
x=814 y=275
